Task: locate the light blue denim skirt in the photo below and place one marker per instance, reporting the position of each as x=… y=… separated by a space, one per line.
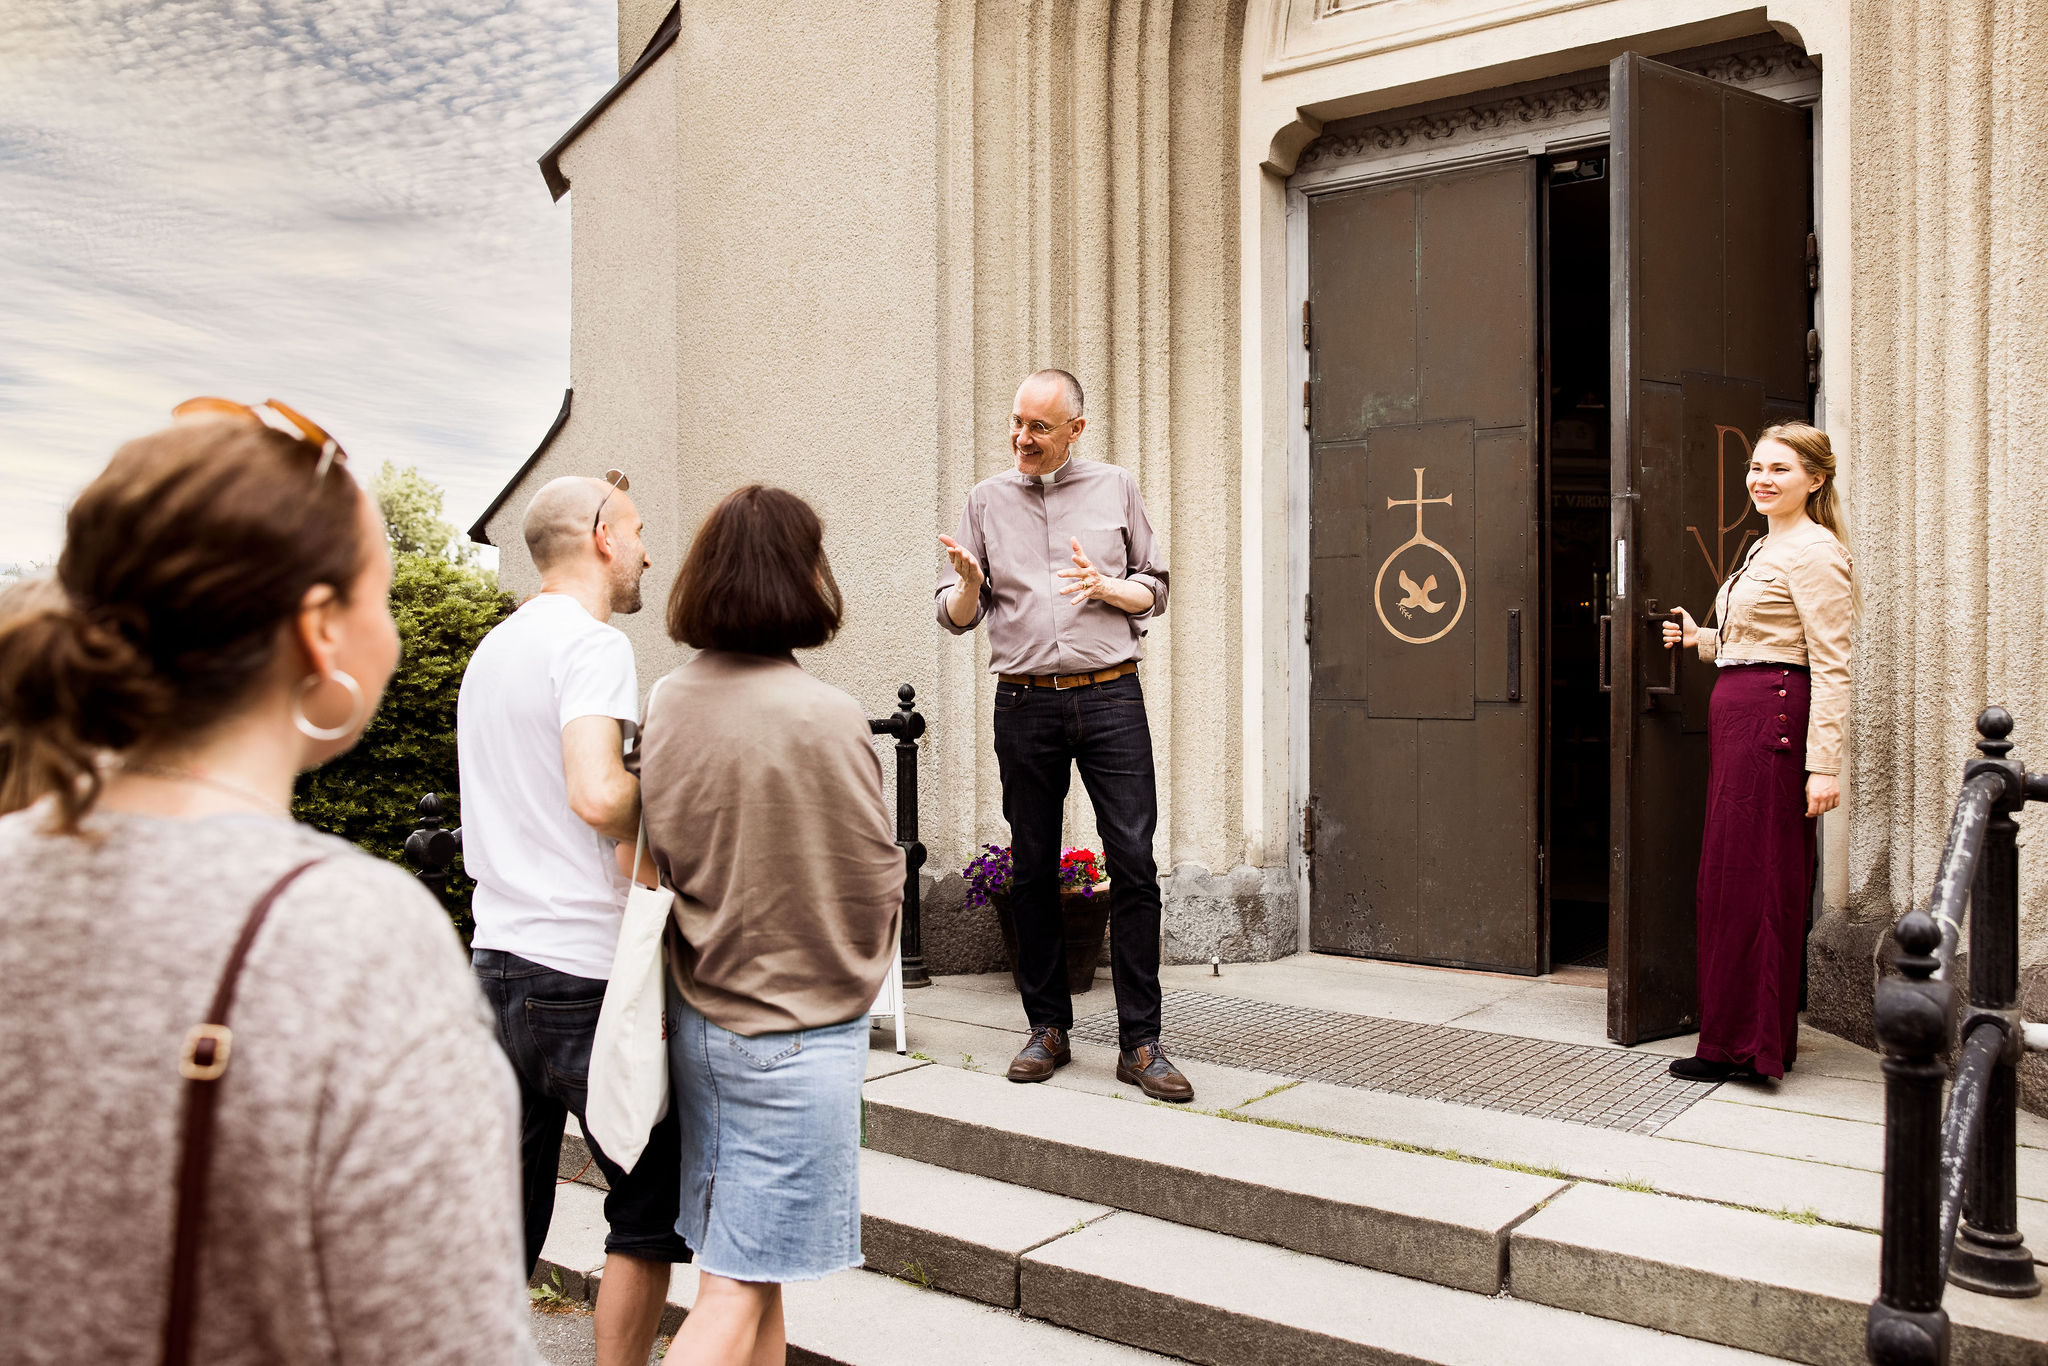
x=771 y=1146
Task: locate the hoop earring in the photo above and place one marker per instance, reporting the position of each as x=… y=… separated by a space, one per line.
x=312 y=681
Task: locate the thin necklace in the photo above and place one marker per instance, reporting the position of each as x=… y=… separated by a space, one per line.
x=207 y=780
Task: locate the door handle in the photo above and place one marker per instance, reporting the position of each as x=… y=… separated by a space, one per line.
x=1514 y=654
x=1655 y=620
x=1606 y=635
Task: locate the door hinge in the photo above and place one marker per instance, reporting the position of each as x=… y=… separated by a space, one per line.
x=1308 y=619
x=1308 y=827
x=1542 y=855
x=1812 y=261
x=1307 y=404
x=1307 y=344
x=1812 y=356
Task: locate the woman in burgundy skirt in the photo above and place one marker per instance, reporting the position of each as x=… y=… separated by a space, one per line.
x=1775 y=744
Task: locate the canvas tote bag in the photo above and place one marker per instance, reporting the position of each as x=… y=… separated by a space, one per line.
x=628 y=1088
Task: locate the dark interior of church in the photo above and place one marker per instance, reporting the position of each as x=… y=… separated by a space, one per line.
x=1576 y=474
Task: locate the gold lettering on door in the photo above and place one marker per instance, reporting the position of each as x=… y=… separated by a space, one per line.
x=1717 y=558
x=1418 y=596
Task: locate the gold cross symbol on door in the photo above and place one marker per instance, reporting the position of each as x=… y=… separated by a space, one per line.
x=1417 y=596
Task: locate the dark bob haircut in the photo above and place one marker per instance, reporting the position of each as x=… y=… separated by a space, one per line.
x=756 y=579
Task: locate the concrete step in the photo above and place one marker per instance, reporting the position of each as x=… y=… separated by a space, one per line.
x=1412 y=1215
x=1215 y=1299
x=856 y=1318
x=1738 y=1278
x=946 y=1230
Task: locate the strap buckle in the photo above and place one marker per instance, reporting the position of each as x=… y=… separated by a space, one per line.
x=190 y=1067
x=1060 y=683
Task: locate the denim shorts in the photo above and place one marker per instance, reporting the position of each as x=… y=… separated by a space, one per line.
x=770 y=1146
x=546 y=1022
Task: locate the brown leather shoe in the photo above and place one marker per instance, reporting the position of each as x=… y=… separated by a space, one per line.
x=1146 y=1068
x=1045 y=1053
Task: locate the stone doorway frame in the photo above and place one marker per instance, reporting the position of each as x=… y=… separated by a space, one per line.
x=1550 y=117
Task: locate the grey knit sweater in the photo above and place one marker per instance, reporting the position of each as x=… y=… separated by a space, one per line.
x=365 y=1192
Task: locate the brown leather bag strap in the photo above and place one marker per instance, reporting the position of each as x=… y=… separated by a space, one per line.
x=202 y=1061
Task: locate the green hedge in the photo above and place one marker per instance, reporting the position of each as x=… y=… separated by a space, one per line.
x=443 y=607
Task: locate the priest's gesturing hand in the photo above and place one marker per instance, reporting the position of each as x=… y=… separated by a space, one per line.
x=967 y=592
x=1090 y=582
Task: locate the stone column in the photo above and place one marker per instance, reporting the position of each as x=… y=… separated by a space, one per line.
x=1948 y=471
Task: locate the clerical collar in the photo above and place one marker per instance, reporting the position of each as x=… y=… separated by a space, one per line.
x=1051 y=477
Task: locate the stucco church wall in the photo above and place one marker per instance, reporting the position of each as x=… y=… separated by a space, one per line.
x=622 y=354
x=1950 y=503
x=1088 y=223
x=806 y=323
x=638 y=19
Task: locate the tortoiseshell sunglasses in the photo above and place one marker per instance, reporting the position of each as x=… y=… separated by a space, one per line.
x=287 y=420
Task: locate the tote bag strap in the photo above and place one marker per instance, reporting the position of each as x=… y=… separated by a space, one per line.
x=640 y=846
x=201 y=1062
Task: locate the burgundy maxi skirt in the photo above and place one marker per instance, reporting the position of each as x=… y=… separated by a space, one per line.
x=1756 y=868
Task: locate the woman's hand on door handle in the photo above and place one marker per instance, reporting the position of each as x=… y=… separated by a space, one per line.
x=1823 y=793
x=1687 y=634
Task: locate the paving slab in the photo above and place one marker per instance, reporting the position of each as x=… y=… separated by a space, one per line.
x=1211 y=1299
x=986 y=1051
x=1809 y=1094
x=884 y=1060
x=1739 y=1278
x=1390 y=991
x=1837 y=1194
x=1815 y=1138
x=1416 y=1216
x=1784 y=1133
x=858 y=1318
x=1563 y=1014
x=948 y=998
x=957 y=1232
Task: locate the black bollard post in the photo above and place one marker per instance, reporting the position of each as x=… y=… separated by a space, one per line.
x=430 y=849
x=1907 y=1325
x=1990 y=1255
x=906 y=723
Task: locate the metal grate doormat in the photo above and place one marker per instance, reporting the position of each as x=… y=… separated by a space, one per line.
x=1605 y=1088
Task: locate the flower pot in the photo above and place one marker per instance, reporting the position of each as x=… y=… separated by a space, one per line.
x=1087 y=925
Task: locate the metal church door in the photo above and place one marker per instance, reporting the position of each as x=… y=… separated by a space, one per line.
x=1424 y=550
x=1710 y=212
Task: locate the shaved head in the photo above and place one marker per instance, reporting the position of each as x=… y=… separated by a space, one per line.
x=557 y=524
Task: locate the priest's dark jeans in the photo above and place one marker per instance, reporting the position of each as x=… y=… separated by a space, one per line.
x=1042 y=735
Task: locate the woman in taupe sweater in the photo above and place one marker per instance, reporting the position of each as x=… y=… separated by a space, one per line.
x=763 y=800
x=1774 y=733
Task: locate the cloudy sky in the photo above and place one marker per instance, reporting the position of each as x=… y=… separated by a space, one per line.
x=330 y=202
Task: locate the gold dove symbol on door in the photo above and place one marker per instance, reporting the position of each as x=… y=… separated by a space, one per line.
x=1418 y=596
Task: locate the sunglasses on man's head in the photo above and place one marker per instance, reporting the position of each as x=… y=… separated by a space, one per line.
x=618 y=480
x=272 y=414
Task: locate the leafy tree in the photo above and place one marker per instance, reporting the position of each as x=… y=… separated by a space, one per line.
x=443 y=603
x=412 y=514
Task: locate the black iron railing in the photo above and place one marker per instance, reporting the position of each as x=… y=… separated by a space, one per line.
x=432 y=851
x=906 y=723
x=1950 y=1190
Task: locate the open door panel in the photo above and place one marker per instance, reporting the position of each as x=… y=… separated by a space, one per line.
x=1711 y=205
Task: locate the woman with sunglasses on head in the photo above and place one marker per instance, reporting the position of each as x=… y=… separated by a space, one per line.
x=252 y=1108
x=1774 y=734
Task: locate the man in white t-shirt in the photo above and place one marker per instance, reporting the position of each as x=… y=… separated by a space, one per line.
x=548 y=702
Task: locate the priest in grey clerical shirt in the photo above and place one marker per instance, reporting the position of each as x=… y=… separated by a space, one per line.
x=1058 y=558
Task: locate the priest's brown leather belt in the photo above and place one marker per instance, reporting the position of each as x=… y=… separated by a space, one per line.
x=1129 y=666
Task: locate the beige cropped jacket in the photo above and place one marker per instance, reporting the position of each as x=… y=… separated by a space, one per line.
x=1791 y=603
